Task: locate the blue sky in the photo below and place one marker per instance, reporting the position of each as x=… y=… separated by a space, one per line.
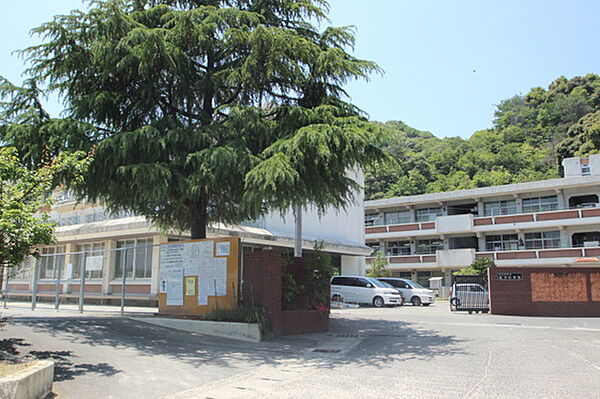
x=447 y=63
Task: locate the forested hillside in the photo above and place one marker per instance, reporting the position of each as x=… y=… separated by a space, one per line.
x=530 y=136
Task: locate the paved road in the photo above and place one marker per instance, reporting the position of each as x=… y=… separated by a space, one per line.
x=370 y=353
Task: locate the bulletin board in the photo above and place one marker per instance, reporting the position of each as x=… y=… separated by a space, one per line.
x=198 y=276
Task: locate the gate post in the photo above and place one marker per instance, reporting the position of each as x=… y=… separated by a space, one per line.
x=36 y=272
x=82 y=281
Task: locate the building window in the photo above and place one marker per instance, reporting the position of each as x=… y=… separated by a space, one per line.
x=502 y=242
x=583 y=201
x=397 y=217
x=429 y=246
x=91 y=249
x=428 y=214
x=542 y=240
x=497 y=208
x=22 y=271
x=586 y=239
x=373 y=219
x=540 y=204
x=52 y=259
x=134 y=252
x=375 y=247
x=395 y=248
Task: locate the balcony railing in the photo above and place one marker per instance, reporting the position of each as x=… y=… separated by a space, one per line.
x=493 y=220
x=525 y=254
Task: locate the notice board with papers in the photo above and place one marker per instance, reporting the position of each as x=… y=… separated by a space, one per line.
x=198 y=276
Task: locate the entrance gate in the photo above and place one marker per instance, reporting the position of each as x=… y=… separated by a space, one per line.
x=470 y=293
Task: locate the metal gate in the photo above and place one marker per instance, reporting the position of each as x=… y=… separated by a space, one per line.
x=470 y=293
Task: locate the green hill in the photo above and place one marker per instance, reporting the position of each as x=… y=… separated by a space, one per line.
x=531 y=134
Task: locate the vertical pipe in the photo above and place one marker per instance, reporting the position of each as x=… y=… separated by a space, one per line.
x=5 y=288
x=298 y=232
x=58 y=278
x=82 y=281
x=36 y=272
x=124 y=280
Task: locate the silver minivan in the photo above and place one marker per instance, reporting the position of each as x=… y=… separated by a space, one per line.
x=364 y=290
x=412 y=292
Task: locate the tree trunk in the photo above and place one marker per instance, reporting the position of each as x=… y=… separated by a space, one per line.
x=198 y=228
x=199 y=219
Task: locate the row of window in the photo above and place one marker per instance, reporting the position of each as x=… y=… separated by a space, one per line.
x=496 y=242
x=134 y=256
x=493 y=208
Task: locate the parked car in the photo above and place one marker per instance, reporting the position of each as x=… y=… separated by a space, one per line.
x=412 y=292
x=388 y=285
x=469 y=296
x=363 y=290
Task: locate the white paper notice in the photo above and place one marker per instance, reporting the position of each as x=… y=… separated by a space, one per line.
x=223 y=249
x=174 y=286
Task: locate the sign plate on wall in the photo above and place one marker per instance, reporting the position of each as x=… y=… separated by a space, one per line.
x=510 y=276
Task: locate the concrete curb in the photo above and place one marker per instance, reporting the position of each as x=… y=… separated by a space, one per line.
x=249 y=332
x=35 y=382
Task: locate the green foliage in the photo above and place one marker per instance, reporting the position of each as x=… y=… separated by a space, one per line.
x=479 y=267
x=530 y=136
x=241 y=315
x=198 y=111
x=24 y=197
x=290 y=291
x=379 y=266
x=319 y=266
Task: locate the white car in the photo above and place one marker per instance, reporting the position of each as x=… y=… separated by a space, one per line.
x=411 y=291
x=469 y=296
x=364 y=290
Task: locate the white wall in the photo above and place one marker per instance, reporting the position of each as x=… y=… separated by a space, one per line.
x=336 y=226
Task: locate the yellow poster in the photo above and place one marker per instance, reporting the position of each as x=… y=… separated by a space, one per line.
x=190 y=286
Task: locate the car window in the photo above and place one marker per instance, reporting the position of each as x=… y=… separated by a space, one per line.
x=342 y=281
x=414 y=285
x=462 y=288
x=476 y=288
x=376 y=282
x=360 y=282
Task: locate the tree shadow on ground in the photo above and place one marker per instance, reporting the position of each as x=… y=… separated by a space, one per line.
x=64 y=368
x=381 y=342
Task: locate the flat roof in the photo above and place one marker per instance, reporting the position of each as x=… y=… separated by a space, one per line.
x=483 y=192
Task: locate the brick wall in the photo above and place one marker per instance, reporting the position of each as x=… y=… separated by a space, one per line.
x=262 y=287
x=548 y=291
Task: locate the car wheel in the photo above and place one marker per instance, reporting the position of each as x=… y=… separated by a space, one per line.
x=378 y=302
x=415 y=300
x=426 y=304
x=336 y=298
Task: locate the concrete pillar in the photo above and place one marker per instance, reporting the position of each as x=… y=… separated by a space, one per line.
x=447 y=278
x=519 y=202
x=69 y=265
x=154 y=284
x=413 y=214
x=565 y=239
x=480 y=208
x=108 y=268
x=560 y=198
x=481 y=243
x=446 y=242
x=413 y=275
x=413 y=245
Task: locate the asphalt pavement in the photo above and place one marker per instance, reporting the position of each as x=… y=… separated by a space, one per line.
x=416 y=352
